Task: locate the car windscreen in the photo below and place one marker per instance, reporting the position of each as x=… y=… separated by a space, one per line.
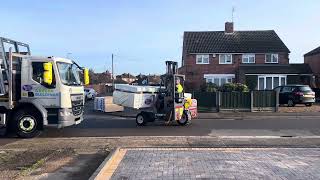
x=305 y=89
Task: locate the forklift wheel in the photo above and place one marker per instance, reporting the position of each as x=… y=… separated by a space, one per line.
x=185 y=118
x=141 y=119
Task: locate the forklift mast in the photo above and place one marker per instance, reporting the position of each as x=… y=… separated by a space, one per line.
x=10 y=70
x=171 y=67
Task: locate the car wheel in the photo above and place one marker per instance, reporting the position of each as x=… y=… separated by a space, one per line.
x=291 y=103
x=309 y=104
x=141 y=119
x=27 y=123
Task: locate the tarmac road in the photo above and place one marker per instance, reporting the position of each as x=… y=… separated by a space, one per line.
x=97 y=124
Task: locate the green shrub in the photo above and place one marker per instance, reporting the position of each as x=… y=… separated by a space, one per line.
x=203 y=87
x=252 y=81
x=211 y=87
x=241 y=87
x=228 y=87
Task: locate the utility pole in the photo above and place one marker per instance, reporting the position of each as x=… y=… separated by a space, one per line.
x=112 y=71
x=232 y=16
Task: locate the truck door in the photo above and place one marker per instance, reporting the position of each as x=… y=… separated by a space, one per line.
x=34 y=87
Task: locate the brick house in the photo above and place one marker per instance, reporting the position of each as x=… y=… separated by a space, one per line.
x=313 y=59
x=257 y=58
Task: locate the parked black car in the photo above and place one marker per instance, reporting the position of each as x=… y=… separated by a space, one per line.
x=295 y=94
x=317 y=91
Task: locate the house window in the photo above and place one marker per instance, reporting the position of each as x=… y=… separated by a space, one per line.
x=219 y=79
x=272 y=58
x=248 y=58
x=269 y=82
x=225 y=59
x=202 y=59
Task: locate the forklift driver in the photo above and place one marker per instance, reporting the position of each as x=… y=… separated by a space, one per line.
x=179 y=91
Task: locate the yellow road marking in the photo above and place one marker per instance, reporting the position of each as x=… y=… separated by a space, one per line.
x=111 y=166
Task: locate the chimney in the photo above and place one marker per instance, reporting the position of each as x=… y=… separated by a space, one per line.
x=228 y=27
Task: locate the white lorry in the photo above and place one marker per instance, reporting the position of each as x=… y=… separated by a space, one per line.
x=38 y=91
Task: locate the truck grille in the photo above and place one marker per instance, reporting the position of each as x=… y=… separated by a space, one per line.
x=77 y=110
x=77 y=104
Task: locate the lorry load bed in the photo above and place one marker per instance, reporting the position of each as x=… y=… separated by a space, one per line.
x=135 y=96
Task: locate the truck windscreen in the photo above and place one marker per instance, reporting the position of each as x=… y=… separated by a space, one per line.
x=69 y=74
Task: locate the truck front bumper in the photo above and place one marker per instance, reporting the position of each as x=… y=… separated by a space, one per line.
x=67 y=118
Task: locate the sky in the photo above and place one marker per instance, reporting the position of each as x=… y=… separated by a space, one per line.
x=143 y=34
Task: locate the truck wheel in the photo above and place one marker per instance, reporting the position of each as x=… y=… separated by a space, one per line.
x=184 y=119
x=27 y=123
x=141 y=119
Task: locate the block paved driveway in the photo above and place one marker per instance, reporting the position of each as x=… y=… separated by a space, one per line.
x=219 y=163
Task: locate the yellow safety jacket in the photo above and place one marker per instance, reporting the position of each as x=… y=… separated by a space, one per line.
x=179 y=88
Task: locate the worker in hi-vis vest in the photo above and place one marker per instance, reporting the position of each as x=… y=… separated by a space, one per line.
x=179 y=90
x=179 y=87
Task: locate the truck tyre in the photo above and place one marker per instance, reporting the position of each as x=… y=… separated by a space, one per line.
x=27 y=123
x=141 y=119
x=185 y=118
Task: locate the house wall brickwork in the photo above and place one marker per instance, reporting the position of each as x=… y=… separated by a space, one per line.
x=314 y=63
x=195 y=72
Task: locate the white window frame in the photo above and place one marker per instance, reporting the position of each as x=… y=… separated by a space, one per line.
x=248 y=56
x=272 y=76
x=202 y=56
x=228 y=78
x=272 y=55
x=225 y=55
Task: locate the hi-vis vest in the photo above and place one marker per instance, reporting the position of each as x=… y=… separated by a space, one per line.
x=179 y=88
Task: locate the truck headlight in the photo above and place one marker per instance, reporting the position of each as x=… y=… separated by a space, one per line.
x=65 y=112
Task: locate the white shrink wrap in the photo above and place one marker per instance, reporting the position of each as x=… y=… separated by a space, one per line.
x=136 y=89
x=133 y=100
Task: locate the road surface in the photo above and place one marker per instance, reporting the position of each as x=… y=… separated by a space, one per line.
x=98 y=124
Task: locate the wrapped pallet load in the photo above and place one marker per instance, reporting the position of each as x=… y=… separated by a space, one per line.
x=136 y=97
x=105 y=104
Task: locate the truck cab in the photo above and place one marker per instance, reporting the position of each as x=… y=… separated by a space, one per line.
x=39 y=91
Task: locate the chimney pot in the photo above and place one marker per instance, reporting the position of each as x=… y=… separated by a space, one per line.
x=228 y=27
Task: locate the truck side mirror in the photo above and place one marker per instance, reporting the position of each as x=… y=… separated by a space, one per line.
x=86 y=76
x=47 y=74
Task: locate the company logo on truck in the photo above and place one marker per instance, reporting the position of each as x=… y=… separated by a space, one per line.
x=27 y=87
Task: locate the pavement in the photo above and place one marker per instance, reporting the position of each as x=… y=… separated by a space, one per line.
x=212 y=163
x=78 y=157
